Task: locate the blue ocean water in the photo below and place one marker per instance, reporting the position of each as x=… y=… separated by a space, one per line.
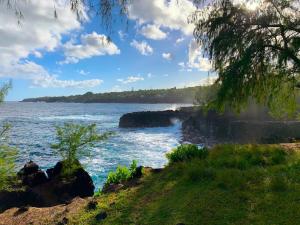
x=33 y=131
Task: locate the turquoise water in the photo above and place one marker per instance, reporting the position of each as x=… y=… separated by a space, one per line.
x=33 y=130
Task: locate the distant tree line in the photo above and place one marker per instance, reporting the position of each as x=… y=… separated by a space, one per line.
x=173 y=95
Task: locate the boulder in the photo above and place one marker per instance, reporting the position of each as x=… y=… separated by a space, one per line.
x=29 y=168
x=31 y=175
x=138 y=172
x=18 y=198
x=39 y=190
x=155 y=118
x=78 y=184
x=55 y=171
x=148 y=119
x=101 y=216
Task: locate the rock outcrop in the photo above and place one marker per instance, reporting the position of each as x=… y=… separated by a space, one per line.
x=40 y=189
x=210 y=127
x=154 y=118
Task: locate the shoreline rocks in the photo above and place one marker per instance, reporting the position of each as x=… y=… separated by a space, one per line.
x=209 y=128
x=40 y=189
x=154 y=118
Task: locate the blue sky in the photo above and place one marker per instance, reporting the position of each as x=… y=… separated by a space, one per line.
x=44 y=56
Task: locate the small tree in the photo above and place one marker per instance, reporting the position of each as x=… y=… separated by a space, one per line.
x=73 y=141
x=7 y=160
x=7 y=153
x=256 y=53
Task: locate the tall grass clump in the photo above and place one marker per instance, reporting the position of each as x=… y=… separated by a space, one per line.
x=186 y=152
x=246 y=156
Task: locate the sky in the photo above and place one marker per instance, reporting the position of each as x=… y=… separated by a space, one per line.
x=47 y=56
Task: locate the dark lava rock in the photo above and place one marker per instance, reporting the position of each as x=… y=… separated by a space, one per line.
x=21 y=210
x=55 y=171
x=29 y=168
x=79 y=184
x=18 y=198
x=138 y=172
x=109 y=188
x=148 y=119
x=92 y=205
x=63 y=222
x=101 y=216
x=31 y=175
x=38 y=190
x=155 y=118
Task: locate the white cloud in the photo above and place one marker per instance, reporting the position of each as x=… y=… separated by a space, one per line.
x=196 y=59
x=91 y=45
x=181 y=65
x=143 y=47
x=39 y=32
x=37 y=54
x=153 y=32
x=82 y=72
x=53 y=82
x=172 y=14
x=149 y=75
x=167 y=56
x=131 y=79
x=179 y=40
x=39 y=77
x=122 y=35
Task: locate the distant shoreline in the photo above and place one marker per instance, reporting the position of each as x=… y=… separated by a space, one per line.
x=155 y=96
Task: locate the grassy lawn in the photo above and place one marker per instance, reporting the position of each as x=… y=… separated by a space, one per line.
x=233 y=184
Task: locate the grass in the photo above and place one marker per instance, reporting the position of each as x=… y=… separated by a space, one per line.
x=246 y=185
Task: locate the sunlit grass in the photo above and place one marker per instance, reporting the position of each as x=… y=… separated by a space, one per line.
x=233 y=185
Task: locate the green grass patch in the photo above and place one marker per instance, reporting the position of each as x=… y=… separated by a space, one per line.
x=232 y=184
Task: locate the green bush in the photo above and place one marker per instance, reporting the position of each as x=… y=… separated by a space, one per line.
x=122 y=174
x=73 y=141
x=186 y=152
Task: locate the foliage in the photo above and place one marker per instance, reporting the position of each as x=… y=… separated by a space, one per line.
x=254 y=52
x=73 y=141
x=172 y=95
x=201 y=191
x=186 y=152
x=206 y=94
x=4 y=90
x=7 y=166
x=122 y=174
x=104 y=8
x=8 y=154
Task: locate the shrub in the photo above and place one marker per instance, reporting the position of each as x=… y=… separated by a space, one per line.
x=8 y=156
x=7 y=166
x=122 y=174
x=186 y=152
x=73 y=141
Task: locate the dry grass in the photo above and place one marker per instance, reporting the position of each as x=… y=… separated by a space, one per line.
x=42 y=216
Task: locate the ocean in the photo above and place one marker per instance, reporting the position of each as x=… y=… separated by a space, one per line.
x=33 y=132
